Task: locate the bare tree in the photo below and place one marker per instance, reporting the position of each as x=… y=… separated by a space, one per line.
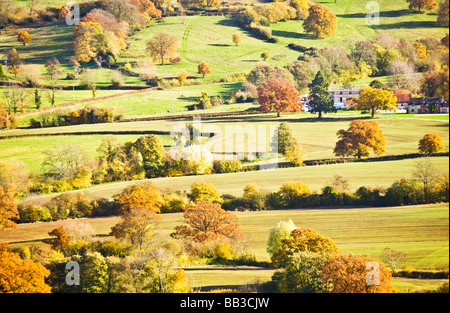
x=426 y=174
x=15 y=97
x=65 y=161
x=393 y=258
x=403 y=75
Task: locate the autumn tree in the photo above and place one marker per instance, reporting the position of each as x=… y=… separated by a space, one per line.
x=276 y=95
x=302 y=240
x=21 y=276
x=431 y=143
x=295 y=153
x=151 y=148
x=207 y=221
x=321 y=22
x=420 y=5
x=205 y=191
x=443 y=13
x=292 y=192
x=89 y=41
x=376 y=99
x=23 y=37
x=136 y=225
x=4 y=117
x=140 y=196
x=61 y=241
x=162 y=45
x=361 y=137
x=8 y=210
x=14 y=61
x=204 y=69
x=319 y=95
x=237 y=39
x=351 y=274
x=435 y=83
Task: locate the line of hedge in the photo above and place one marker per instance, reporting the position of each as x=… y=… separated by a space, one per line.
x=422 y=274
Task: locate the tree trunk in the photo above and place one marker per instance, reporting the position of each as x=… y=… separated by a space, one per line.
x=320 y=114
x=373 y=112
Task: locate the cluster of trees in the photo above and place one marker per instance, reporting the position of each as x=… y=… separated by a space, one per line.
x=86 y=115
x=312 y=263
x=317 y=19
x=103 y=32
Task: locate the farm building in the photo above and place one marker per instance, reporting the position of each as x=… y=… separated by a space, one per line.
x=403 y=97
x=340 y=96
x=428 y=105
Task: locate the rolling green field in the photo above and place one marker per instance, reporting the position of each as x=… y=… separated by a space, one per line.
x=375 y=174
x=419 y=231
x=318 y=137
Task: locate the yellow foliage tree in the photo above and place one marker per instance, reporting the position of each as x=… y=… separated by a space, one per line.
x=376 y=99
x=21 y=276
x=24 y=37
x=321 y=22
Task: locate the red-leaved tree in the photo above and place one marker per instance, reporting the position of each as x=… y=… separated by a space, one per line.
x=276 y=95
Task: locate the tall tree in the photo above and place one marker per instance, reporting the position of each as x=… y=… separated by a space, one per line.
x=276 y=95
x=8 y=210
x=321 y=22
x=319 y=95
x=207 y=221
x=162 y=45
x=151 y=148
x=359 y=139
x=443 y=13
x=376 y=99
x=136 y=225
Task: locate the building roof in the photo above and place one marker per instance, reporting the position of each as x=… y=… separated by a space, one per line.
x=403 y=95
x=426 y=101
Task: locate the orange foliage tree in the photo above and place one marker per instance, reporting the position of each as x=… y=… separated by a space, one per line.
x=359 y=138
x=207 y=221
x=320 y=21
x=61 y=240
x=354 y=274
x=431 y=143
x=276 y=95
x=162 y=45
x=8 y=210
x=21 y=276
x=420 y=5
x=136 y=225
x=140 y=196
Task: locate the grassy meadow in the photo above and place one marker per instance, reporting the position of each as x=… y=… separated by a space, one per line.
x=318 y=137
x=419 y=231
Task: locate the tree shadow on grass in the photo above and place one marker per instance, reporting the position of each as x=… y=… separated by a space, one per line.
x=287 y=34
x=407 y=25
x=391 y=13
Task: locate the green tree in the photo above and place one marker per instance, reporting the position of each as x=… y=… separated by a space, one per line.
x=151 y=148
x=319 y=96
x=281 y=138
x=277 y=233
